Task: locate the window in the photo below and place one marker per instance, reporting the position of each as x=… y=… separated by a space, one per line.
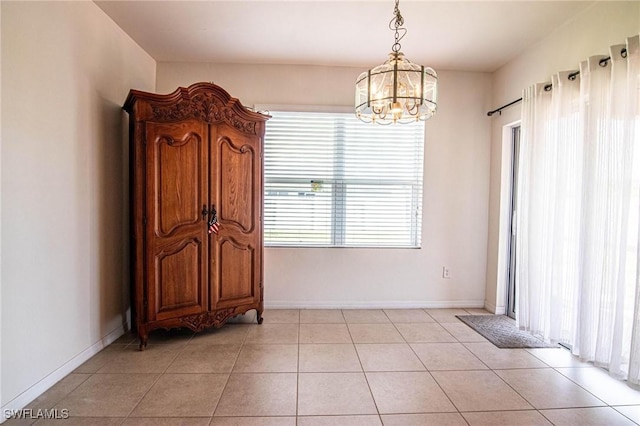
x=333 y=181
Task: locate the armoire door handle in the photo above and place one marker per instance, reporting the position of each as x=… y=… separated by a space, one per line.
x=213 y=225
x=214 y=215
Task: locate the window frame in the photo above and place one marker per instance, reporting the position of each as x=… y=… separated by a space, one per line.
x=338 y=239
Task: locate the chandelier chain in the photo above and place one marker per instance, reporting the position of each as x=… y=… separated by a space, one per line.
x=396 y=24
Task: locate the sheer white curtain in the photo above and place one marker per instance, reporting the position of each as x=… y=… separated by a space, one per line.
x=578 y=211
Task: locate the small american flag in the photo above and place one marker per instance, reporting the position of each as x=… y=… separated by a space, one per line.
x=214 y=226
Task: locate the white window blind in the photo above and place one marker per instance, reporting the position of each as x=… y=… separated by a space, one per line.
x=333 y=181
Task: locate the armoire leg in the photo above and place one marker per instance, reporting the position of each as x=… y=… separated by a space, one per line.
x=143 y=342
x=259 y=316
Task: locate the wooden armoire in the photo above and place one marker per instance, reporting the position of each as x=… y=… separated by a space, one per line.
x=195 y=154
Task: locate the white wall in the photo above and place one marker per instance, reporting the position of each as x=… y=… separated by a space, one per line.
x=0 y=215
x=66 y=70
x=587 y=34
x=456 y=193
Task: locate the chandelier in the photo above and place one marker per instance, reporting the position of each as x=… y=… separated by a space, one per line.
x=397 y=91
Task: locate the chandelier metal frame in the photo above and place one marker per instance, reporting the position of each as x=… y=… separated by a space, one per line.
x=398 y=91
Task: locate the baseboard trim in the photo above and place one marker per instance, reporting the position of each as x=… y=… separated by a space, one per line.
x=22 y=400
x=497 y=310
x=400 y=304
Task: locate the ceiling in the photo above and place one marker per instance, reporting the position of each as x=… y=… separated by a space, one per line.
x=454 y=35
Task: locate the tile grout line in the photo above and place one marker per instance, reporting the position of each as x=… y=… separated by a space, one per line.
x=582 y=387
x=298 y=368
x=429 y=371
x=244 y=339
x=511 y=387
x=178 y=352
x=466 y=348
x=518 y=393
x=62 y=398
x=366 y=379
x=555 y=370
x=624 y=414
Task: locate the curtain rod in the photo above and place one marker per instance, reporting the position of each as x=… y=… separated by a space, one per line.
x=603 y=63
x=490 y=113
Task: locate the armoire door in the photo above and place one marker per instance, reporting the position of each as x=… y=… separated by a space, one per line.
x=236 y=252
x=176 y=225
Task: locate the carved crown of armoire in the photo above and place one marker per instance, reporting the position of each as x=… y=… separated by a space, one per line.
x=195 y=161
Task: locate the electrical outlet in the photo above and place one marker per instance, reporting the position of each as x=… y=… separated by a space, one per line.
x=446 y=272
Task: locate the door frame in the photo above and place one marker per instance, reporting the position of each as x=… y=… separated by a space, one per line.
x=512 y=238
x=496 y=297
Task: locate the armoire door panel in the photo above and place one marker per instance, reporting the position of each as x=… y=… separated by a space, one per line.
x=176 y=153
x=236 y=179
x=235 y=265
x=177 y=182
x=179 y=285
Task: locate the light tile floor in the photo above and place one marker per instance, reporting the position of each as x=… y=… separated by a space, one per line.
x=337 y=367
